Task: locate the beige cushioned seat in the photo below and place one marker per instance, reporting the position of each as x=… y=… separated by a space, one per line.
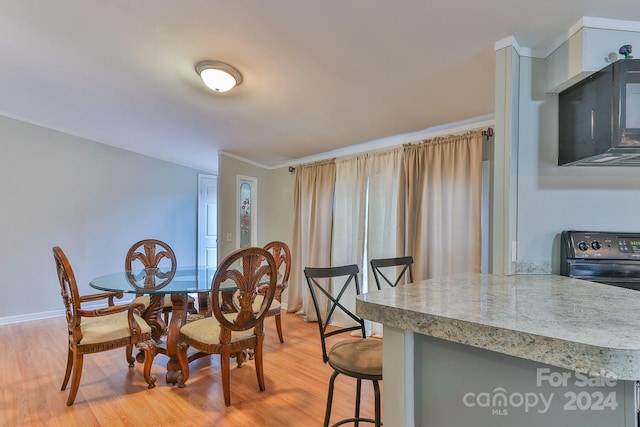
x=146 y=300
x=207 y=330
x=275 y=304
x=257 y=303
x=108 y=328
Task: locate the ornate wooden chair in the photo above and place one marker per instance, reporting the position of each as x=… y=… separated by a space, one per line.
x=232 y=333
x=150 y=253
x=282 y=256
x=382 y=265
x=93 y=331
x=358 y=358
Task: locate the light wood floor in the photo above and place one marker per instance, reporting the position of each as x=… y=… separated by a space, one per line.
x=33 y=358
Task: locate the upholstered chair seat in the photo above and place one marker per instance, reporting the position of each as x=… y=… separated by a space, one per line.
x=109 y=328
x=166 y=302
x=207 y=331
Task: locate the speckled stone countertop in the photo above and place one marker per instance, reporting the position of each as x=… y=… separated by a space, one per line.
x=556 y=320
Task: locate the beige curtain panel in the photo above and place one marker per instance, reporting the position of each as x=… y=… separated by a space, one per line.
x=443 y=185
x=312 y=230
x=422 y=199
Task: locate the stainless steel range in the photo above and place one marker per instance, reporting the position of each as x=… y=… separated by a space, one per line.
x=604 y=257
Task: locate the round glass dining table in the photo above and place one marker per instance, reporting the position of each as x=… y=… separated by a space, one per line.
x=158 y=282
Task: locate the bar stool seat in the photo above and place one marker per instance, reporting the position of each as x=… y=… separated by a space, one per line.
x=357 y=358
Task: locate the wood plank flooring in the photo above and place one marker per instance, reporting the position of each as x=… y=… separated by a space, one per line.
x=33 y=358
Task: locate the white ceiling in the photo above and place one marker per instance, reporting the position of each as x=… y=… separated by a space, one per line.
x=318 y=75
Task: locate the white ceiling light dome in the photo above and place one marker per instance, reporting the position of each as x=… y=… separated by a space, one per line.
x=218 y=76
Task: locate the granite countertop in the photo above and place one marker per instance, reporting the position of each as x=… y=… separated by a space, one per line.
x=556 y=320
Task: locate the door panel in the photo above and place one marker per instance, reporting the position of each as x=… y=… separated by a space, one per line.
x=207 y=220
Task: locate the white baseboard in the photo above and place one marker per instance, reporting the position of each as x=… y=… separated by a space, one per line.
x=7 y=320
x=19 y=318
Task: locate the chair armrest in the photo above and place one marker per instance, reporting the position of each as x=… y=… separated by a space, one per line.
x=104 y=295
x=104 y=311
x=138 y=306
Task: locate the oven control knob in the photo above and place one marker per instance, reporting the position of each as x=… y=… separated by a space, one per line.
x=583 y=246
x=595 y=245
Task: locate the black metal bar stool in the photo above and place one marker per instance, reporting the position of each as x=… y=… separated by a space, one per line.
x=358 y=358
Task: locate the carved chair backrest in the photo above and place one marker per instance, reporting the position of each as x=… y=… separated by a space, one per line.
x=149 y=252
x=68 y=289
x=247 y=269
x=282 y=256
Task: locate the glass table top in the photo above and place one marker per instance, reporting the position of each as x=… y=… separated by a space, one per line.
x=162 y=281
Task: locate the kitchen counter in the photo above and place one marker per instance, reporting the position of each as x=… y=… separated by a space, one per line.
x=542 y=320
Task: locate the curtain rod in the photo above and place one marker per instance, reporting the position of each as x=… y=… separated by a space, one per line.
x=488 y=132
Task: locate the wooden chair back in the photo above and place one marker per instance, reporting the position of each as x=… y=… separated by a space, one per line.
x=149 y=252
x=68 y=289
x=282 y=256
x=246 y=268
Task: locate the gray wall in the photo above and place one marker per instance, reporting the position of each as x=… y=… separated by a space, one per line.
x=280 y=205
x=90 y=199
x=551 y=198
x=275 y=203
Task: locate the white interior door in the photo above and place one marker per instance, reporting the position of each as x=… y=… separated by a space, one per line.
x=207 y=220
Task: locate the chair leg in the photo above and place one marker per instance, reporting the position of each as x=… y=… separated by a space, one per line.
x=149 y=348
x=279 y=327
x=191 y=307
x=239 y=358
x=358 y=393
x=128 y=354
x=183 y=360
x=225 y=367
x=327 y=415
x=75 y=379
x=67 y=373
x=257 y=356
x=376 y=392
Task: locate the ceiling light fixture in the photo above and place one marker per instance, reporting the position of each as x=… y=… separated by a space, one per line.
x=218 y=76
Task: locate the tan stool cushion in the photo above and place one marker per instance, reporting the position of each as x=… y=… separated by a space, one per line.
x=357 y=356
x=108 y=328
